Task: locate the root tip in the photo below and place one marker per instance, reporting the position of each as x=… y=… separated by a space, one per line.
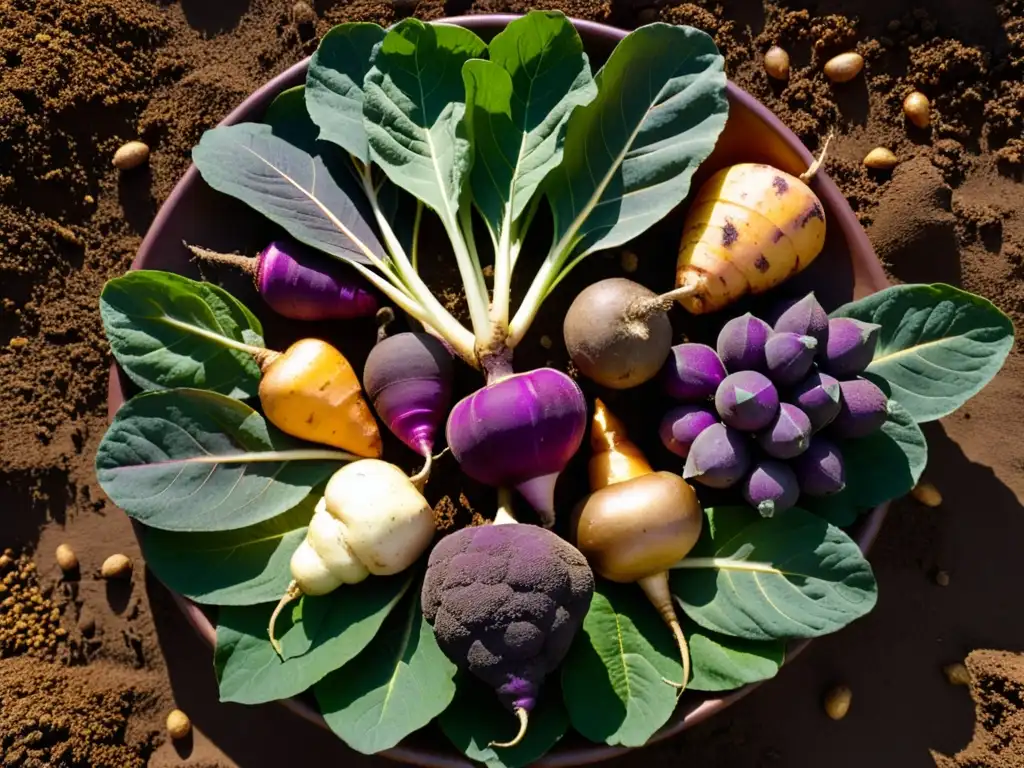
x=524 y=721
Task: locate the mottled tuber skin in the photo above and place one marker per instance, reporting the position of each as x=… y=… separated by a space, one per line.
x=505 y=602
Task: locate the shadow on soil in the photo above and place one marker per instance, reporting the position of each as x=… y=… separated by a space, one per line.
x=212 y=17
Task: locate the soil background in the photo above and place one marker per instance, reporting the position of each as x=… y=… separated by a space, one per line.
x=89 y=669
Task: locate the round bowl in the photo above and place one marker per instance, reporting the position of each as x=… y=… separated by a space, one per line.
x=848 y=268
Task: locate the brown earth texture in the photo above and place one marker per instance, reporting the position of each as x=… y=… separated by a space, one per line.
x=89 y=669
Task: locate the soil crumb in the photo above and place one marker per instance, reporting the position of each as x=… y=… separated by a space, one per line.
x=997 y=687
x=29 y=619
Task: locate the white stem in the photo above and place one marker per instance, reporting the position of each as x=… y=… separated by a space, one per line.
x=261 y=457
x=224 y=341
x=501 y=296
x=725 y=563
x=415 y=256
x=535 y=296
x=464 y=244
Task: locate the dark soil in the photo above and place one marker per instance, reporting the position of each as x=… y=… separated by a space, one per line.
x=89 y=670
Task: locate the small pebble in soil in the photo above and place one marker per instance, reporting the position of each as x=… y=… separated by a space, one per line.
x=837 y=702
x=630 y=261
x=545 y=341
x=89 y=199
x=917 y=108
x=776 y=63
x=17 y=342
x=844 y=67
x=116 y=567
x=942 y=578
x=927 y=494
x=881 y=159
x=957 y=674
x=66 y=558
x=131 y=155
x=178 y=724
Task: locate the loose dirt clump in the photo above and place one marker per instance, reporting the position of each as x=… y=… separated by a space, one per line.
x=29 y=619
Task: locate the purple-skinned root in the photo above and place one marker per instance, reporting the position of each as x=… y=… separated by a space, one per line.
x=681 y=426
x=520 y=431
x=805 y=317
x=300 y=284
x=692 y=372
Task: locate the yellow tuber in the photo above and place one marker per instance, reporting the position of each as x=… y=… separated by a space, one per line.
x=130 y=155
x=917 y=108
x=116 y=567
x=178 y=725
x=66 y=558
x=957 y=674
x=927 y=494
x=844 y=67
x=776 y=63
x=837 y=702
x=881 y=159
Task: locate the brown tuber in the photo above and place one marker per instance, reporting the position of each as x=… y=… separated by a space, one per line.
x=178 y=724
x=927 y=494
x=66 y=558
x=844 y=67
x=131 y=155
x=957 y=674
x=917 y=108
x=881 y=159
x=837 y=702
x=776 y=63
x=116 y=567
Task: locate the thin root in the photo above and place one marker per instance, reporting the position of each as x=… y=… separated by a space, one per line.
x=421 y=477
x=684 y=654
x=807 y=175
x=385 y=316
x=666 y=300
x=524 y=720
x=292 y=593
x=244 y=263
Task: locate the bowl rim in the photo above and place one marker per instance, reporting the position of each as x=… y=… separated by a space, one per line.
x=868 y=528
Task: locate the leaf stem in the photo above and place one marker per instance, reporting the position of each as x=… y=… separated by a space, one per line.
x=501 y=296
x=460 y=232
x=726 y=563
x=415 y=255
x=224 y=341
x=258 y=457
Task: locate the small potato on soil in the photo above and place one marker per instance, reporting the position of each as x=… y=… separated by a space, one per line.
x=881 y=159
x=776 y=63
x=927 y=494
x=131 y=155
x=116 y=567
x=957 y=674
x=178 y=724
x=942 y=578
x=844 y=67
x=837 y=702
x=917 y=108
x=66 y=558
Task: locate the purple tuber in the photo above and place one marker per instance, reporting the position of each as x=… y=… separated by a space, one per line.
x=817 y=396
x=863 y=409
x=718 y=458
x=788 y=435
x=788 y=357
x=771 y=487
x=820 y=468
x=806 y=318
x=409 y=380
x=300 y=284
x=851 y=346
x=747 y=401
x=741 y=343
x=681 y=426
x=692 y=372
x=520 y=431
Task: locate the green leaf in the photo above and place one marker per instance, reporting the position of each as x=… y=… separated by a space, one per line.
x=839 y=509
x=288 y=118
x=723 y=663
x=334 y=85
x=938 y=345
x=332 y=630
x=886 y=464
x=476 y=718
x=613 y=680
x=631 y=152
x=246 y=566
x=311 y=196
x=517 y=107
x=783 y=577
x=414 y=102
x=394 y=687
x=168 y=331
x=191 y=460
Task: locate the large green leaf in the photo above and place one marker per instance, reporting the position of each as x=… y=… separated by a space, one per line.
x=613 y=680
x=631 y=152
x=330 y=631
x=476 y=718
x=773 y=578
x=288 y=118
x=517 y=107
x=886 y=464
x=312 y=196
x=168 y=331
x=938 y=345
x=240 y=567
x=396 y=686
x=413 y=107
x=191 y=460
x=334 y=85
x=723 y=663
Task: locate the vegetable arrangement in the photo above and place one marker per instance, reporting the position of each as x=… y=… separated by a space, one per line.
x=313 y=532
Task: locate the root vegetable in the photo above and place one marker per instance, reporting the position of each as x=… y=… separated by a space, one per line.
x=409 y=380
x=776 y=63
x=851 y=346
x=805 y=317
x=300 y=284
x=788 y=435
x=520 y=430
x=311 y=392
x=67 y=559
x=718 y=458
x=820 y=468
x=927 y=494
x=957 y=674
x=837 y=702
x=771 y=487
x=130 y=155
x=863 y=409
x=116 y=567
x=692 y=372
x=881 y=159
x=636 y=523
x=505 y=602
x=741 y=344
x=818 y=396
x=372 y=520
x=749 y=228
x=681 y=426
x=178 y=725
x=789 y=357
x=747 y=401
x=942 y=578
x=617 y=333
x=844 y=67
x=917 y=108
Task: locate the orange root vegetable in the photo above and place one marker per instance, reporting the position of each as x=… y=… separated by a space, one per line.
x=311 y=392
x=636 y=523
x=749 y=228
